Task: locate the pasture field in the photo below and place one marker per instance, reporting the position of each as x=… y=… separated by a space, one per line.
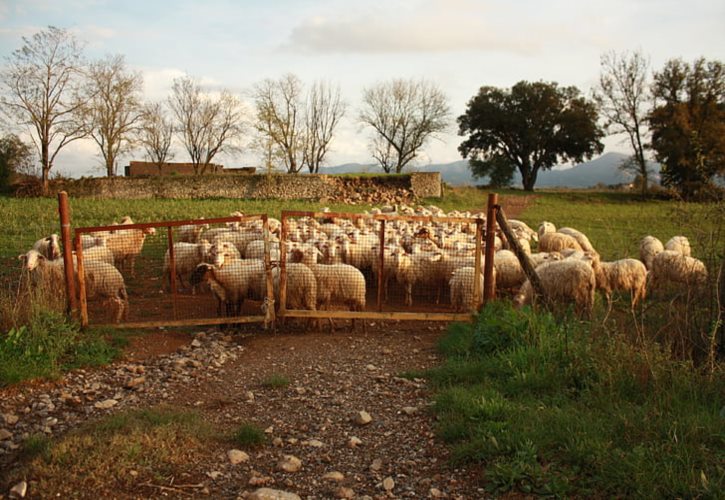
x=614 y=222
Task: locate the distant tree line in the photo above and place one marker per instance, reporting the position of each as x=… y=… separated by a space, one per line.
x=677 y=114
x=52 y=94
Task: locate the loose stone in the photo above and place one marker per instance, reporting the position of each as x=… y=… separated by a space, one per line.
x=237 y=457
x=362 y=418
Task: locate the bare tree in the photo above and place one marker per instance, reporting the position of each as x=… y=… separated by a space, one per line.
x=113 y=108
x=324 y=110
x=404 y=114
x=279 y=117
x=155 y=134
x=41 y=91
x=207 y=125
x=624 y=100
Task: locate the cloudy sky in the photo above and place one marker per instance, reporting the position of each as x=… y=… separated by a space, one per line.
x=458 y=44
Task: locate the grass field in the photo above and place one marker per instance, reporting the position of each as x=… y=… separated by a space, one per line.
x=614 y=222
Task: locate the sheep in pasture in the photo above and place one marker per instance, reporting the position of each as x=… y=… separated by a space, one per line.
x=336 y=283
x=97 y=254
x=49 y=247
x=88 y=241
x=191 y=233
x=508 y=269
x=625 y=275
x=679 y=244
x=546 y=227
x=102 y=280
x=231 y=283
x=580 y=238
x=221 y=252
x=523 y=231
x=554 y=242
x=462 y=288
x=424 y=269
x=649 y=246
x=126 y=245
x=186 y=257
x=564 y=281
x=673 y=267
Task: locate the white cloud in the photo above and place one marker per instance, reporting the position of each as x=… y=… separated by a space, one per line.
x=431 y=26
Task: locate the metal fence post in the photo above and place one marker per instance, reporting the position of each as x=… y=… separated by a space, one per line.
x=70 y=286
x=381 y=273
x=489 y=286
x=283 y=269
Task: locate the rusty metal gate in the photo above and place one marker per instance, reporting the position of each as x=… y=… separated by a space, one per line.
x=381 y=266
x=163 y=284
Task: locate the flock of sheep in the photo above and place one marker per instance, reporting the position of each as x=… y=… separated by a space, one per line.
x=331 y=261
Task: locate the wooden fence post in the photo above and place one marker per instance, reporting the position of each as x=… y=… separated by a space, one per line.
x=477 y=268
x=489 y=285
x=526 y=264
x=269 y=317
x=70 y=286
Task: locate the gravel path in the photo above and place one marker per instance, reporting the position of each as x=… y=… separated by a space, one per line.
x=315 y=418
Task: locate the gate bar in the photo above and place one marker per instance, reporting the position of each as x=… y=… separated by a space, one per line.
x=489 y=287
x=70 y=286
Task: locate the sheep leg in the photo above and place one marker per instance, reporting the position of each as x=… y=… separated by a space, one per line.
x=408 y=294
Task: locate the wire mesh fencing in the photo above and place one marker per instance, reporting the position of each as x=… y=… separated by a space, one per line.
x=379 y=266
x=204 y=271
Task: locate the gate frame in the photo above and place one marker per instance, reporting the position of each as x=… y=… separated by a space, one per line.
x=268 y=318
x=284 y=313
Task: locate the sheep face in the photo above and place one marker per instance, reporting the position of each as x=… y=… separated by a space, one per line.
x=31 y=260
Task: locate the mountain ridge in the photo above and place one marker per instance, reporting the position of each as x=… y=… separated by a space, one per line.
x=604 y=169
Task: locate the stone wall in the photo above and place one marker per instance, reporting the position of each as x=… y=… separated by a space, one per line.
x=349 y=189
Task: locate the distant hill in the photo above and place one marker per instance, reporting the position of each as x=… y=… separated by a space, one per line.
x=602 y=170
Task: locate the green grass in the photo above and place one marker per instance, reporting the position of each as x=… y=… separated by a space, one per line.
x=249 y=435
x=275 y=381
x=50 y=344
x=550 y=409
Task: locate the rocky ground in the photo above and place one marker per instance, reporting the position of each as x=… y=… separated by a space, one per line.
x=346 y=425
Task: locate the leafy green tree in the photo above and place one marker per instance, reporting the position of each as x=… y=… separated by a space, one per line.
x=533 y=126
x=498 y=169
x=688 y=125
x=15 y=157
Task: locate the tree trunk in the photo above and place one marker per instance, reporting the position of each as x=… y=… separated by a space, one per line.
x=528 y=178
x=45 y=168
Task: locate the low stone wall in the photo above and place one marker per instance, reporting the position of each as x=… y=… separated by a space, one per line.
x=349 y=189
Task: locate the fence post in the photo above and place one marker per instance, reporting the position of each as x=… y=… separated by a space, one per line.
x=70 y=286
x=269 y=299
x=283 y=269
x=477 y=268
x=381 y=273
x=489 y=285
x=172 y=269
x=81 y=280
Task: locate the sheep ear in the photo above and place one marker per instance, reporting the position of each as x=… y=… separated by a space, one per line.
x=23 y=257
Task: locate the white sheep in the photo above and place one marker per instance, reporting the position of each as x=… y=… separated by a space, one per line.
x=670 y=266
x=89 y=241
x=580 y=238
x=554 y=242
x=191 y=233
x=49 y=247
x=509 y=273
x=679 y=244
x=231 y=282
x=126 y=245
x=186 y=257
x=649 y=246
x=336 y=283
x=629 y=275
x=102 y=280
x=462 y=288
x=564 y=281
